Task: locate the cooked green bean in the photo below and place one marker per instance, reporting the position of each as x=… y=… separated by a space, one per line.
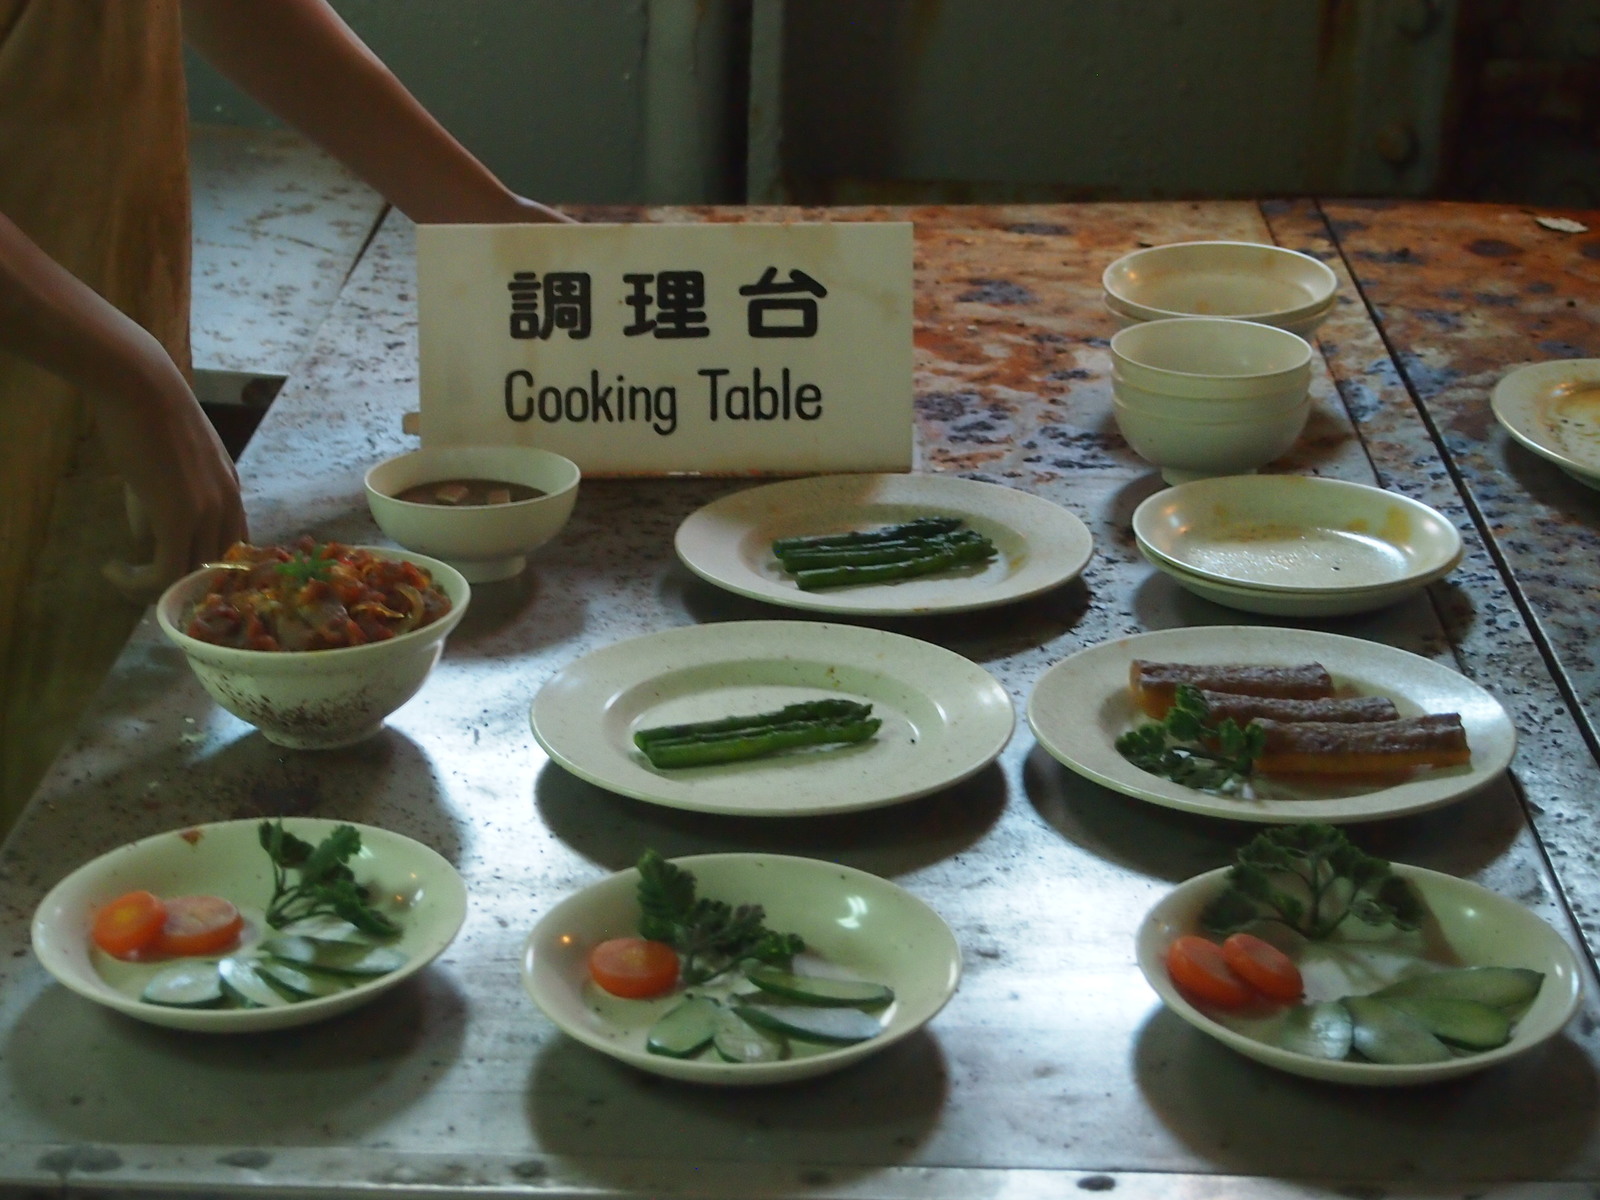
x=909 y=568
x=883 y=552
x=921 y=527
x=809 y=710
x=758 y=742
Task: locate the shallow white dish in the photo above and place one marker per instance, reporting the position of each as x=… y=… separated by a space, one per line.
x=1297 y=534
x=1041 y=545
x=1247 y=281
x=1553 y=408
x=944 y=717
x=867 y=927
x=1283 y=603
x=226 y=859
x=1082 y=705
x=1480 y=927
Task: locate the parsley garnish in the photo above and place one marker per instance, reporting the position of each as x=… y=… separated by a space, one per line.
x=710 y=935
x=325 y=887
x=1188 y=751
x=303 y=568
x=1310 y=878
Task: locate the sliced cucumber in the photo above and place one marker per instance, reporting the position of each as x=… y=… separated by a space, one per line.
x=738 y=1041
x=1510 y=988
x=1464 y=1023
x=1382 y=1033
x=304 y=985
x=686 y=1030
x=186 y=985
x=335 y=957
x=247 y=985
x=808 y=1023
x=817 y=991
x=326 y=928
x=1319 y=1030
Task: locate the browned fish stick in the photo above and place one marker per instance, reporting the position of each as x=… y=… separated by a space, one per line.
x=1242 y=709
x=1375 y=748
x=1155 y=684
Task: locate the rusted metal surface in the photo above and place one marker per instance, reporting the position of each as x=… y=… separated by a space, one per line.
x=1053 y=1070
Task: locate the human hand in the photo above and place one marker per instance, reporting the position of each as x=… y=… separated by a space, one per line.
x=183 y=490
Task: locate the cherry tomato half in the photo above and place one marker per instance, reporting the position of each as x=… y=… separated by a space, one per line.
x=634 y=967
x=129 y=925
x=198 y=925
x=1263 y=966
x=1201 y=973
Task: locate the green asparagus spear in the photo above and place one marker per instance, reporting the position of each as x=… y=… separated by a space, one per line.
x=926 y=564
x=757 y=743
x=919 y=528
x=809 y=710
x=881 y=552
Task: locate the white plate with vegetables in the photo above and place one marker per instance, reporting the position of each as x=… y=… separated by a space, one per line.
x=1478 y=980
x=1037 y=545
x=940 y=718
x=288 y=955
x=1082 y=705
x=878 y=964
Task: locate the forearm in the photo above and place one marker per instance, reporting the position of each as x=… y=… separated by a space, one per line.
x=57 y=322
x=302 y=62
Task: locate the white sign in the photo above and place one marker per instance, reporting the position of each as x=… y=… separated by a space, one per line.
x=658 y=349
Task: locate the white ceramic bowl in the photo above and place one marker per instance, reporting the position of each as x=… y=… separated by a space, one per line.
x=1186 y=448
x=1300 y=326
x=484 y=542
x=1222 y=279
x=1283 y=603
x=315 y=699
x=1298 y=535
x=858 y=922
x=1477 y=926
x=1210 y=358
x=226 y=859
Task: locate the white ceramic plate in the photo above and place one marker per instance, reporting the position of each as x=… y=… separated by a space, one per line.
x=864 y=926
x=944 y=718
x=1474 y=927
x=1284 y=603
x=226 y=859
x=1296 y=534
x=1082 y=704
x=1553 y=408
x=1041 y=545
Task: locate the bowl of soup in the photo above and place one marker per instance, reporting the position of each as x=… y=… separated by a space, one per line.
x=482 y=509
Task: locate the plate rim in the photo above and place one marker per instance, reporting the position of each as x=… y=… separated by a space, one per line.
x=991 y=696
x=456 y=905
x=1413 y=795
x=712 y=1072
x=1076 y=544
x=1505 y=392
x=1416 y=579
x=1344 y=1071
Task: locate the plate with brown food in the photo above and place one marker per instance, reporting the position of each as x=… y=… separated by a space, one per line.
x=1275 y=725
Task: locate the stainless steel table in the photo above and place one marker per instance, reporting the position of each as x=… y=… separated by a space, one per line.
x=1054 y=1070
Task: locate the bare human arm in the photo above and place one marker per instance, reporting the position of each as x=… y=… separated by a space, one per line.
x=302 y=62
x=155 y=434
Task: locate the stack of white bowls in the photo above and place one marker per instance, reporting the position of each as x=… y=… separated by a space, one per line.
x=1242 y=280
x=1200 y=396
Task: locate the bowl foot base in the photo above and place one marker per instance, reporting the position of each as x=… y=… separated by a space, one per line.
x=291 y=741
x=488 y=570
x=1175 y=475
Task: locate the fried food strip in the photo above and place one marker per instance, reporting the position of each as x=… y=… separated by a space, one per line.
x=1374 y=748
x=1344 y=710
x=1155 y=684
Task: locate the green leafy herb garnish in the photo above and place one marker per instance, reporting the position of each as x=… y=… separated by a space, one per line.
x=303 y=568
x=324 y=886
x=710 y=934
x=1185 y=749
x=1311 y=878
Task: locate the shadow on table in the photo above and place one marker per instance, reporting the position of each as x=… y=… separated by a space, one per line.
x=613 y=830
x=1533 y=1117
x=872 y=1114
x=1164 y=843
x=982 y=635
x=96 y=1075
